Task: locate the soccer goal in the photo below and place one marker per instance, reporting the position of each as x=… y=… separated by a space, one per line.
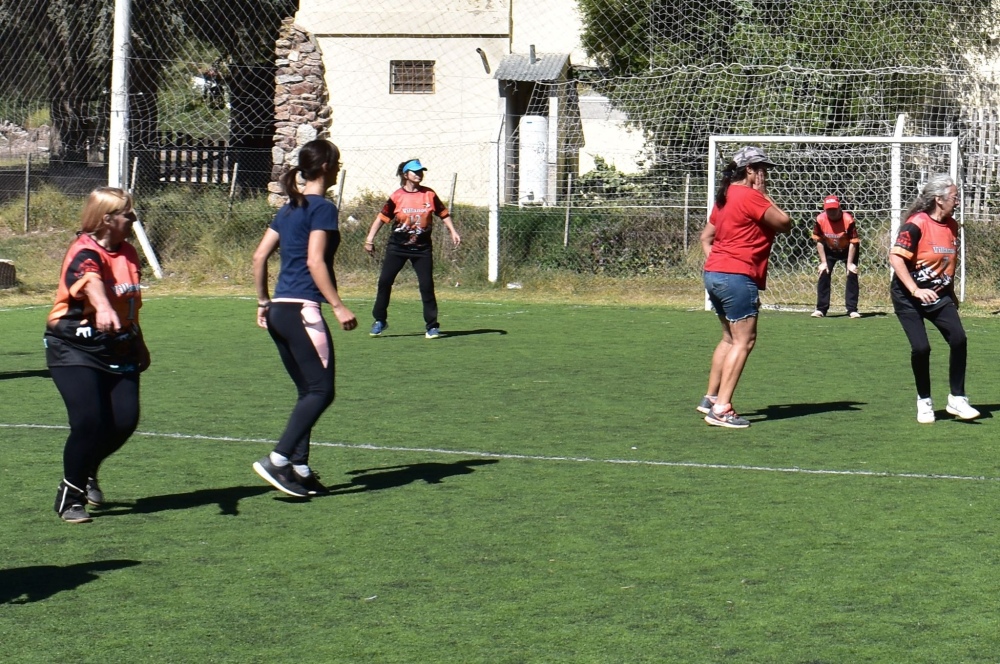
x=876 y=178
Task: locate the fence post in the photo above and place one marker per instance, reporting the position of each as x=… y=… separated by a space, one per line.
x=232 y=188
x=135 y=167
x=340 y=189
x=569 y=204
x=687 y=197
x=451 y=192
x=27 y=192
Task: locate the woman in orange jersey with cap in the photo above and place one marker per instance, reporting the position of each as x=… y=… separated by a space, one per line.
x=94 y=346
x=836 y=238
x=409 y=211
x=923 y=265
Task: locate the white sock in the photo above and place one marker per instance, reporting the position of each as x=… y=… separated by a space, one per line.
x=279 y=460
x=303 y=470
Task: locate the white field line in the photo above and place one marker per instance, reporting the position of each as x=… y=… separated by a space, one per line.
x=533 y=457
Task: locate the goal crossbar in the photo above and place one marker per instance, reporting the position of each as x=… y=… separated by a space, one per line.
x=951 y=143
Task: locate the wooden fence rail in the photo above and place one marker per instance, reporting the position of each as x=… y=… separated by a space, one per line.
x=181 y=158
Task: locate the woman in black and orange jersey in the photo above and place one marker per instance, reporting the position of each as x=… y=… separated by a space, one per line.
x=94 y=347
x=409 y=210
x=923 y=264
x=836 y=238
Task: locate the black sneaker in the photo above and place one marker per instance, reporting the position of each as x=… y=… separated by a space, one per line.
x=280 y=478
x=310 y=483
x=69 y=503
x=95 y=496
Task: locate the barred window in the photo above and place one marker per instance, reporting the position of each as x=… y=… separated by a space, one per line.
x=411 y=77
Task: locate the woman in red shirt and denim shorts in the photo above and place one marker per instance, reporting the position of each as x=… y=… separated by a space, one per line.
x=737 y=242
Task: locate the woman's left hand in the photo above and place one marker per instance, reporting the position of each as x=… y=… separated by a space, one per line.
x=345 y=317
x=455 y=239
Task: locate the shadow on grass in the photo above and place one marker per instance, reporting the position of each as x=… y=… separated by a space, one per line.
x=22 y=585
x=787 y=410
x=985 y=413
x=389 y=477
x=867 y=314
x=464 y=333
x=445 y=333
x=27 y=373
x=227 y=499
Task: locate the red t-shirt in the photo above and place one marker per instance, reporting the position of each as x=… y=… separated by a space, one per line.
x=742 y=243
x=835 y=236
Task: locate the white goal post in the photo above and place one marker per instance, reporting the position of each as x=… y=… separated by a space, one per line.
x=875 y=177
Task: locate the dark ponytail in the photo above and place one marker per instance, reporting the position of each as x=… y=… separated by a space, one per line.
x=312 y=156
x=730 y=175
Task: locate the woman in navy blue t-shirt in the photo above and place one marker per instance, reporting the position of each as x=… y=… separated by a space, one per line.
x=306 y=228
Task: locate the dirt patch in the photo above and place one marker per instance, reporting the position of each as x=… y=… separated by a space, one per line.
x=17 y=141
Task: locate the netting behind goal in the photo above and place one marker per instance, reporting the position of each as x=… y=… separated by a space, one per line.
x=860 y=172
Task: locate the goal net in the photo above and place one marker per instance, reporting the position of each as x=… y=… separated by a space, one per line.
x=875 y=177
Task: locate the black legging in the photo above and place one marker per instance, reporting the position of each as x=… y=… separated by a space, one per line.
x=947 y=321
x=851 y=288
x=423 y=265
x=103 y=410
x=314 y=382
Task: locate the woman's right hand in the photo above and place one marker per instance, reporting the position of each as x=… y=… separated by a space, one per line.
x=926 y=295
x=107 y=320
x=370 y=248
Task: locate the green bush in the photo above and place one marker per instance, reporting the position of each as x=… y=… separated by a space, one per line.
x=609 y=241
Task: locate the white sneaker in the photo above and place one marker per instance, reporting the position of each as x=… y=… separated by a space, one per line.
x=817 y=314
x=960 y=408
x=854 y=314
x=925 y=411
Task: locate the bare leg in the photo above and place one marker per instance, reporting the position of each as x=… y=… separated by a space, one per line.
x=743 y=335
x=718 y=357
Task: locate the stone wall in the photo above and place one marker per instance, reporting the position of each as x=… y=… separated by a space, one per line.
x=301 y=101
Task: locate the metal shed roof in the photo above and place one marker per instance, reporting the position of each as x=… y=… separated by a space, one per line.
x=547 y=67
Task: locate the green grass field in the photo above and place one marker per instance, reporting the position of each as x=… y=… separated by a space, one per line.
x=536 y=486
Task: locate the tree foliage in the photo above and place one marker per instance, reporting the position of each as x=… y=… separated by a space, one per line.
x=685 y=69
x=60 y=51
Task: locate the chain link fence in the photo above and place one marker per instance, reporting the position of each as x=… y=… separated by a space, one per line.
x=627 y=172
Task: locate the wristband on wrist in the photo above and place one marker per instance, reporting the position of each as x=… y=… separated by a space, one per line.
x=914 y=292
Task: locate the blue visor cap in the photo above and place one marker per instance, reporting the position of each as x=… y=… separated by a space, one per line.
x=413 y=165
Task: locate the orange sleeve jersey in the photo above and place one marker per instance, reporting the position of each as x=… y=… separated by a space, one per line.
x=930 y=249
x=410 y=215
x=71 y=336
x=835 y=236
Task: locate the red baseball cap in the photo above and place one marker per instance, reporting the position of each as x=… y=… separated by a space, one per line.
x=831 y=202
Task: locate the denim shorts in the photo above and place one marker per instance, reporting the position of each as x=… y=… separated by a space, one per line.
x=734 y=296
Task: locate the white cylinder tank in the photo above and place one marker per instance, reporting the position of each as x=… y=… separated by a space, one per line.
x=533 y=167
